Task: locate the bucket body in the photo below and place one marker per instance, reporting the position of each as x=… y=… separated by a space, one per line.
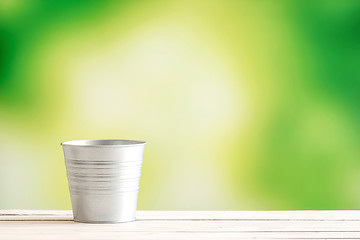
x=104 y=178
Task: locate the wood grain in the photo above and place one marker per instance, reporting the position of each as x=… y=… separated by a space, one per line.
x=33 y=224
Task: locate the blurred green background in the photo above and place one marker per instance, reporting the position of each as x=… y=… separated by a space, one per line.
x=245 y=104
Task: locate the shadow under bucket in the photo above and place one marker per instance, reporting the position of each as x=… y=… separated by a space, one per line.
x=104 y=178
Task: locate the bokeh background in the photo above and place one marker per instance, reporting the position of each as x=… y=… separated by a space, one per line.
x=244 y=104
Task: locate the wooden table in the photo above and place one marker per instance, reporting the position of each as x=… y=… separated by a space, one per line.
x=32 y=224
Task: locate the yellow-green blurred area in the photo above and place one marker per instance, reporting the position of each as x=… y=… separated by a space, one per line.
x=245 y=104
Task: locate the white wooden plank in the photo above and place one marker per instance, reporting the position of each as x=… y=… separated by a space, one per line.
x=49 y=215
x=90 y=235
x=36 y=215
x=183 y=226
x=338 y=215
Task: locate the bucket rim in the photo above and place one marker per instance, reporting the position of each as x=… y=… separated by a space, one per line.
x=103 y=143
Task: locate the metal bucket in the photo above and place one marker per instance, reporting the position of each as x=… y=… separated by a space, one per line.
x=104 y=178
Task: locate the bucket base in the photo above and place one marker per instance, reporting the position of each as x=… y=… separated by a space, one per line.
x=104 y=208
x=102 y=222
